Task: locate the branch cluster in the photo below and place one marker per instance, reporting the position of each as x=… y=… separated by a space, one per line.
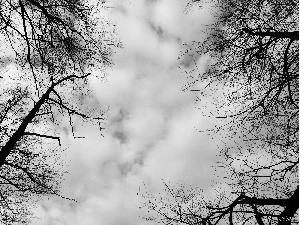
x=55 y=45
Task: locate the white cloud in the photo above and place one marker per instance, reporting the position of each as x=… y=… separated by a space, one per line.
x=150 y=132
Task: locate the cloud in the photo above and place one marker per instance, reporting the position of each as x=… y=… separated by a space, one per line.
x=150 y=132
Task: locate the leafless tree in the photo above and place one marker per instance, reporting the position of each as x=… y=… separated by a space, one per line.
x=253 y=53
x=254 y=56
x=55 y=46
x=253 y=50
x=181 y=205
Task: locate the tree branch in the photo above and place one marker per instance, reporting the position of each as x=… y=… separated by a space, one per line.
x=291 y=208
x=294 y=35
x=43 y=135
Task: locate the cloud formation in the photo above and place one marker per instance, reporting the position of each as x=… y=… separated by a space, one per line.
x=150 y=132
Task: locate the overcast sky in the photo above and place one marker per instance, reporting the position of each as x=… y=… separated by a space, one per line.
x=151 y=127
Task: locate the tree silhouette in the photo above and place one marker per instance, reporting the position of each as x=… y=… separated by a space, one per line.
x=253 y=53
x=55 y=46
x=181 y=205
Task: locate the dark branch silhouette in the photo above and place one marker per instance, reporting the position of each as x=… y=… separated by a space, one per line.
x=56 y=46
x=253 y=51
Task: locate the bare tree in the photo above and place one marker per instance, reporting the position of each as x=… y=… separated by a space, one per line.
x=181 y=205
x=254 y=56
x=253 y=50
x=253 y=53
x=56 y=45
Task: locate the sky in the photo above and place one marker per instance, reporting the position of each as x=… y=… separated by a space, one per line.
x=151 y=131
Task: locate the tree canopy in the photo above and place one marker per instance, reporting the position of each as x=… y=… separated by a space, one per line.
x=54 y=46
x=253 y=61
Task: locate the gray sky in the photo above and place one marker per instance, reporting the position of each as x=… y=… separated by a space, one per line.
x=151 y=130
